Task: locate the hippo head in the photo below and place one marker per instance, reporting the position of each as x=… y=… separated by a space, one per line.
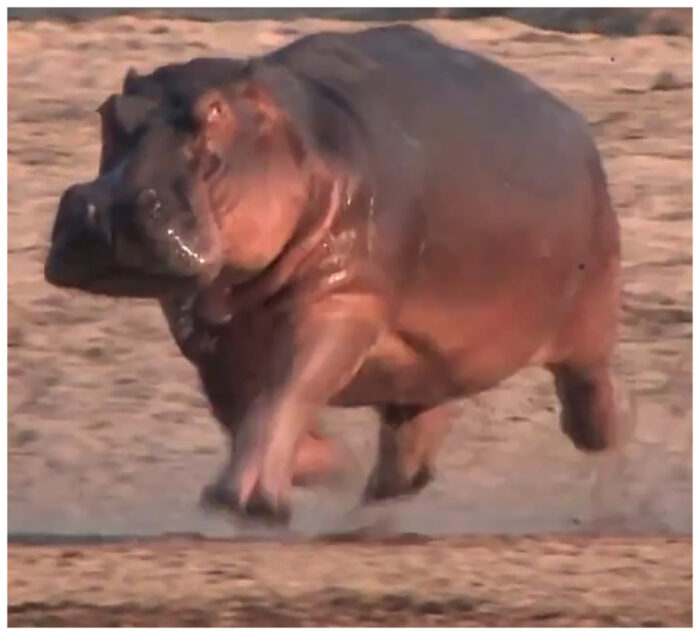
x=189 y=184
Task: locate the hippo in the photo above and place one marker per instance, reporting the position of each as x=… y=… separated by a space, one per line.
x=355 y=219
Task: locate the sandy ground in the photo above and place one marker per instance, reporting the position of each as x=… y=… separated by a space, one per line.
x=108 y=432
x=465 y=582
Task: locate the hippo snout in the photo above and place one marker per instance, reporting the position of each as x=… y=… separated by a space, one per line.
x=127 y=246
x=81 y=238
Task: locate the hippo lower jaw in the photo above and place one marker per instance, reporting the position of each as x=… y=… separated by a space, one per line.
x=118 y=282
x=137 y=285
x=107 y=278
x=122 y=271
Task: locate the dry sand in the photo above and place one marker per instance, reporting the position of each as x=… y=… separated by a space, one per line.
x=544 y=581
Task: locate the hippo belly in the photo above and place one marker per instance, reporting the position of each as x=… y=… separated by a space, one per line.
x=492 y=291
x=443 y=349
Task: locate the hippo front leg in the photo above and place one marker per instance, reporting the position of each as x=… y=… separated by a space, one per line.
x=328 y=349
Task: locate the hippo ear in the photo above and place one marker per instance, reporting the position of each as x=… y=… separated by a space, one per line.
x=261 y=101
x=132 y=110
x=274 y=116
x=106 y=106
x=111 y=134
x=130 y=78
x=126 y=112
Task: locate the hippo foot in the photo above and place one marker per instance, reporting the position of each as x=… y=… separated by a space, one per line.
x=382 y=487
x=589 y=415
x=586 y=439
x=219 y=498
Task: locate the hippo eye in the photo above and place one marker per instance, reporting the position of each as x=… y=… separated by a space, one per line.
x=210 y=165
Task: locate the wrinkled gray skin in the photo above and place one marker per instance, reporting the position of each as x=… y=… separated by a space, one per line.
x=355 y=219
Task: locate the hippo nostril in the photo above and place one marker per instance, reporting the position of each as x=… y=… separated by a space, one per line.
x=149 y=199
x=79 y=213
x=104 y=225
x=97 y=220
x=149 y=204
x=91 y=213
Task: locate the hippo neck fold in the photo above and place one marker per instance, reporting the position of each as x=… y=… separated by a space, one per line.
x=330 y=154
x=224 y=298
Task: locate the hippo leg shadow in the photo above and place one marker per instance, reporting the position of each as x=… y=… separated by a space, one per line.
x=409 y=440
x=589 y=414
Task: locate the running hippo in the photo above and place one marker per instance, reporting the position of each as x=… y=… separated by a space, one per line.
x=356 y=219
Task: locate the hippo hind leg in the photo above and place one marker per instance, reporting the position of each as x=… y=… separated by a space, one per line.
x=589 y=414
x=409 y=439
